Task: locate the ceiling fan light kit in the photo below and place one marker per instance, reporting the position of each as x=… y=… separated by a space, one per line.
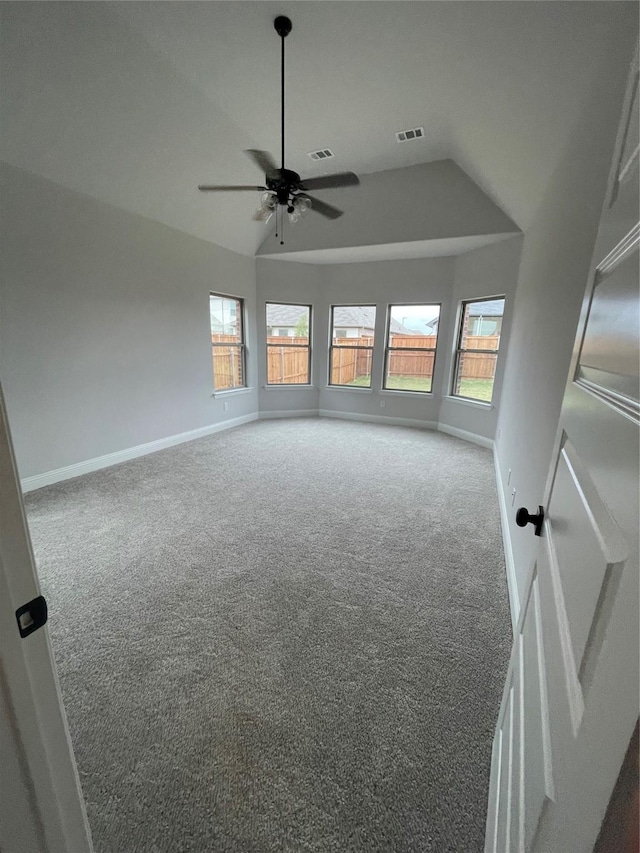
x=283 y=187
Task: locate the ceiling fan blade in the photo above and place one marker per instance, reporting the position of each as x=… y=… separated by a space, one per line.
x=263 y=160
x=222 y=188
x=324 y=209
x=325 y=182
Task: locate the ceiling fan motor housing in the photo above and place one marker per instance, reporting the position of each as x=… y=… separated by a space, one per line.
x=283 y=183
x=282 y=25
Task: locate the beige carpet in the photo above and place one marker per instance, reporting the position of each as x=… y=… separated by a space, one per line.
x=291 y=636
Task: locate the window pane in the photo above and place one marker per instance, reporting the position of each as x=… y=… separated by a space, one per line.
x=353 y=325
x=228 y=369
x=475 y=375
x=287 y=365
x=413 y=329
x=226 y=319
x=482 y=324
x=409 y=371
x=414 y=326
x=290 y=321
x=351 y=366
x=227 y=340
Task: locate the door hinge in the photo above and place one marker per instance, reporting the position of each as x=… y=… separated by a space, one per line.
x=32 y=616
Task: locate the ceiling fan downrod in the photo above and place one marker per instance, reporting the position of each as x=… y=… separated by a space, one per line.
x=283 y=188
x=282 y=26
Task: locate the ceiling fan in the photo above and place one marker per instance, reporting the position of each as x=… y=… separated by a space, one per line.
x=285 y=188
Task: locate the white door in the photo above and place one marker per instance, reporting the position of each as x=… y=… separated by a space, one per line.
x=41 y=806
x=570 y=702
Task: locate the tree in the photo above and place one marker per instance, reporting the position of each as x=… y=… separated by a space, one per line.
x=302 y=327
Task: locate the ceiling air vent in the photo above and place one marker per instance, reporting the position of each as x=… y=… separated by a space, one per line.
x=322 y=154
x=406 y=135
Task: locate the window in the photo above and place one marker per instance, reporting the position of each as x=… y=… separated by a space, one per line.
x=227 y=342
x=477 y=349
x=412 y=334
x=351 y=349
x=288 y=349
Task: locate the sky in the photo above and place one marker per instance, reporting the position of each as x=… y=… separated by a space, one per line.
x=415 y=317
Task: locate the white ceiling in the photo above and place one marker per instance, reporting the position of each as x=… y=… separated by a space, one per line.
x=136 y=103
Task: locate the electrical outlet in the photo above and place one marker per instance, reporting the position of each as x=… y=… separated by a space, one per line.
x=509 y=477
x=225 y=406
x=383 y=403
x=513 y=497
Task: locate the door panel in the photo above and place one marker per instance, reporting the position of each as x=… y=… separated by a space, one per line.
x=587 y=543
x=522 y=751
x=517 y=757
x=503 y=833
x=571 y=701
x=537 y=780
x=613 y=314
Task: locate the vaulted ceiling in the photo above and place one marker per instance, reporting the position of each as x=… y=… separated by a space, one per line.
x=136 y=103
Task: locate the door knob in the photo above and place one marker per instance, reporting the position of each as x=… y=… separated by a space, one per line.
x=524 y=517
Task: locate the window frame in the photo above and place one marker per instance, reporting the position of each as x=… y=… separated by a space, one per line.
x=242 y=346
x=292 y=346
x=331 y=384
x=388 y=348
x=459 y=350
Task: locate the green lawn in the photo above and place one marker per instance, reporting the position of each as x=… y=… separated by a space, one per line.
x=396 y=383
x=361 y=381
x=476 y=389
x=408 y=383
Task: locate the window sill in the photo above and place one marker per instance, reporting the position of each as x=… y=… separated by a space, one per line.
x=476 y=404
x=401 y=392
x=231 y=391
x=352 y=389
x=289 y=386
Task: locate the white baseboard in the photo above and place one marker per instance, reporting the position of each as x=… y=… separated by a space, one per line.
x=47 y=478
x=512 y=584
x=473 y=437
x=298 y=413
x=377 y=419
x=79 y=468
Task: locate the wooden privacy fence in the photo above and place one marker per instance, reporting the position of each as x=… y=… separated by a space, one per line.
x=227 y=362
x=290 y=364
x=416 y=364
x=287 y=365
x=479 y=365
x=348 y=363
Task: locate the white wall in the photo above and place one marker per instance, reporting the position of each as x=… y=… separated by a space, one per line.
x=278 y=281
x=489 y=271
x=104 y=325
x=424 y=280
x=376 y=283
x=556 y=256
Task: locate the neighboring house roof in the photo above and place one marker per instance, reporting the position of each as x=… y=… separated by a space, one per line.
x=353 y=315
x=285 y=315
x=346 y=316
x=349 y=316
